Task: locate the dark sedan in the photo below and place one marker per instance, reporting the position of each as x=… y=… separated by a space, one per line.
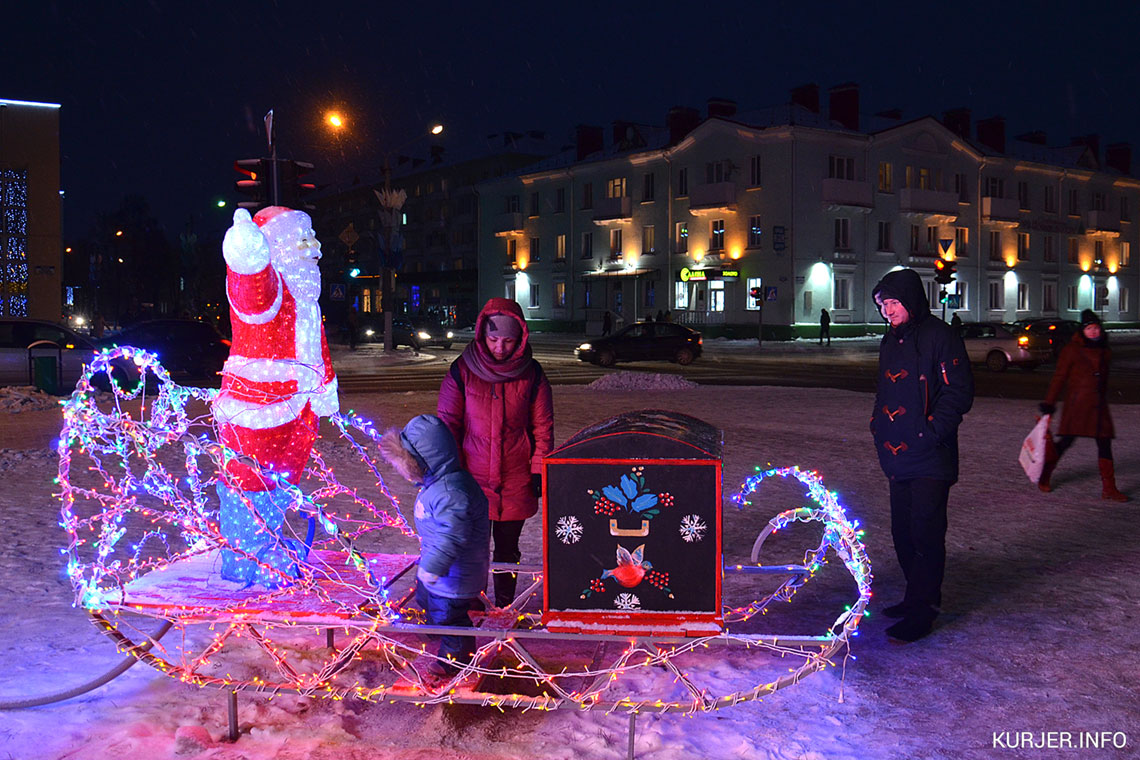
x=643 y=341
x=186 y=348
x=415 y=333
x=1056 y=331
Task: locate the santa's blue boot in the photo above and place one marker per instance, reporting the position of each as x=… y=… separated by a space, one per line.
x=243 y=531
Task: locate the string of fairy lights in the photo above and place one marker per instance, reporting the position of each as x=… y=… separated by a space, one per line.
x=137 y=470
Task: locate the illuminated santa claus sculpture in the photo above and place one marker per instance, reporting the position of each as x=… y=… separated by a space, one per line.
x=276 y=383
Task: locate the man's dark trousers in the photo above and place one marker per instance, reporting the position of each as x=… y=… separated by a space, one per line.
x=918 y=526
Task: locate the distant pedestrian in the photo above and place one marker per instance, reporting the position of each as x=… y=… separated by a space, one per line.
x=824 y=326
x=660 y=316
x=649 y=317
x=607 y=323
x=925 y=387
x=956 y=323
x=1081 y=380
x=668 y=315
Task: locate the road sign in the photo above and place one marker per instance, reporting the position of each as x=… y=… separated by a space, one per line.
x=770 y=293
x=349 y=236
x=945 y=244
x=336 y=291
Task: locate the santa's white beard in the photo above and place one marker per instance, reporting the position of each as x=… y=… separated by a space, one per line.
x=303 y=277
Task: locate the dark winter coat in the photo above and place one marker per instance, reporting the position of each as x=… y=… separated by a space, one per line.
x=450 y=512
x=925 y=387
x=502 y=414
x=1082 y=376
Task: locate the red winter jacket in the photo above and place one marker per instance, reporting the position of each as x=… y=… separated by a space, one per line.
x=1081 y=381
x=502 y=416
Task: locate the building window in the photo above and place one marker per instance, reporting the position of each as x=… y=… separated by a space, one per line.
x=841 y=293
x=914 y=238
x=681 y=244
x=997 y=295
x=511 y=204
x=534 y=205
x=615 y=243
x=1050 y=247
x=560 y=248
x=1124 y=214
x=755 y=233
x=995 y=245
x=842 y=234
x=682 y=182
x=650 y=294
x=716 y=235
x=1023 y=246
x=647 y=189
x=587 y=245
x=512 y=251
x=840 y=167
x=560 y=295
x=1074 y=203
x=1050 y=199
x=932 y=239
x=808 y=311
x=587 y=195
x=1098 y=252
x=994 y=187
x=885 y=243
x=1023 y=296
x=886 y=181
x=14 y=242
x=560 y=200
x=1098 y=201
x=586 y=295
x=750 y=303
x=924 y=180
x=1074 y=250
x=961 y=242
x=1100 y=297
x=718 y=171
x=509 y=290
x=533 y=295
x=1125 y=253
x=1023 y=195
x=680 y=295
x=615 y=188
x=648 y=239
x=1049 y=296
x=535 y=249
x=961 y=291
x=754 y=176
x=1071 y=298
x=961 y=189
x=1122 y=303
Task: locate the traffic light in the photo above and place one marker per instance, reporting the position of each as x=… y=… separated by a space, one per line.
x=944 y=271
x=755 y=293
x=257 y=186
x=289 y=175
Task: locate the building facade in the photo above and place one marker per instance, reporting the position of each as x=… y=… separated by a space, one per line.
x=812 y=211
x=31 y=236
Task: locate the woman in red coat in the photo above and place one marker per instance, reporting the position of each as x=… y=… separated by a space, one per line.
x=497 y=403
x=1082 y=376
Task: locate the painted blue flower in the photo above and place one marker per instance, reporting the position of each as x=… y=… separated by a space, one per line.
x=627 y=496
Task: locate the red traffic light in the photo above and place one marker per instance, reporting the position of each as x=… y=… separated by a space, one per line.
x=755 y=293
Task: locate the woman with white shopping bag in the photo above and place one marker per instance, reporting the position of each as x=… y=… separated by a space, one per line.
x=1081 y=381
x=1036 y=448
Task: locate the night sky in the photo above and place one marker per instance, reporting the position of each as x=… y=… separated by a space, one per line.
x=161 y=99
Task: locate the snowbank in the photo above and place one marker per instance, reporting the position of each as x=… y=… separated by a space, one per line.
x=641 y=381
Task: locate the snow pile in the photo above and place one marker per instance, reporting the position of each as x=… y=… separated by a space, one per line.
x=641 y=381
x=25 y=398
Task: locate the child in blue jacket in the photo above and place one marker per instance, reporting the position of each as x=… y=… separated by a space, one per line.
x=455 y=531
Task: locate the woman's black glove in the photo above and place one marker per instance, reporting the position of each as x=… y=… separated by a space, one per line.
x=536 y=484
x=1047 y=408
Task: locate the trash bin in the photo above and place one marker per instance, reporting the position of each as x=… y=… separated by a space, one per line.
x=45 y=364
x=632 y=527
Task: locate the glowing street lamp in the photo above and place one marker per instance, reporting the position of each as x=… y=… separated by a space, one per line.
x=335 y=120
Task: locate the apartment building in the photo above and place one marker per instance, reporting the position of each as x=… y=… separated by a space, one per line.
x=812 y=210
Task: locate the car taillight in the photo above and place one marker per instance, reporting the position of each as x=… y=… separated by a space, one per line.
x=1023 y=340
x=700 y=341
x=227 y=343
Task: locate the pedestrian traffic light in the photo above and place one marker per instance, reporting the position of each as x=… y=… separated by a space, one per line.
x=257 y=186
x=755 y=293
x=944 y=271
x=293 y=190
x=943 y=296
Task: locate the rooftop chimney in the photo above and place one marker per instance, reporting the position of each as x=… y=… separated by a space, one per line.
x=806 y=95
x=721 y=108
x=1092 y=142
x=991 y=133
x=588 y=140
x=843 y=105
x=1037 y=137
x=957 y=120
x=681 y=120
x=1119 y=156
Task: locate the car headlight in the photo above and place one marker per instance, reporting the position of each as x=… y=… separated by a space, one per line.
x=369 y=332
x=450 y=334
x=423 y=335
x=585 y=347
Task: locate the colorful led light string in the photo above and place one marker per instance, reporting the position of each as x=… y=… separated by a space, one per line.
x=132 y=489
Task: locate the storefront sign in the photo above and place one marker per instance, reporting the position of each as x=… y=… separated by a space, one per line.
x=700 y=275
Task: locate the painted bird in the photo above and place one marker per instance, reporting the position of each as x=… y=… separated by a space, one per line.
x=631 y=568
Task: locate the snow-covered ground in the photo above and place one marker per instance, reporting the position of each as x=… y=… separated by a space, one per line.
x=1039 y=634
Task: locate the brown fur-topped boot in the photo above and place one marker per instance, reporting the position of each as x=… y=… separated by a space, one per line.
x=1108 y=481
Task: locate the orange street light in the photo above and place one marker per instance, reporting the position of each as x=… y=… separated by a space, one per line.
x=437 y=129
x=334 y=120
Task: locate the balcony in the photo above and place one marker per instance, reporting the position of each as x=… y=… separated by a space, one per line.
x=508 y=224
x=935 y=206
x=1102 y=223
x=715 y=197
x=613 y=210
x=847 y=195
x=1001 y=212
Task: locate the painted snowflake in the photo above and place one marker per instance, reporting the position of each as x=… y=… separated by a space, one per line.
x=627 y=602
x=692 y=528
x=568 y=530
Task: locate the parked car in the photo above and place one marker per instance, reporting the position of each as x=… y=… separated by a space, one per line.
x=37 y=352
x=406 y=331
x=1056 y=331
x=186 y=348
x=998 y=345
x=643 y=341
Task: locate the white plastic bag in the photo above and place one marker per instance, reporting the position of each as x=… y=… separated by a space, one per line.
x=1034 y=449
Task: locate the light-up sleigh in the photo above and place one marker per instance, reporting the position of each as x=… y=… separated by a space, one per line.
x=624 y=613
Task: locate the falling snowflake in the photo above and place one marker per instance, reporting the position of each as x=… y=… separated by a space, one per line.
x=627 y=602
x=692 y=528
x=569 y=530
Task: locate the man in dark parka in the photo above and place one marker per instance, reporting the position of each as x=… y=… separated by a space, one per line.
x=925 y=387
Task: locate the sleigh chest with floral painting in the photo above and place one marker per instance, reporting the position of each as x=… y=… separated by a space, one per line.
x=632 y=527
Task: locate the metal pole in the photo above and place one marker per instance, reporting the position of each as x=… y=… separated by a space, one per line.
x=632 y=731
x=231 y=704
